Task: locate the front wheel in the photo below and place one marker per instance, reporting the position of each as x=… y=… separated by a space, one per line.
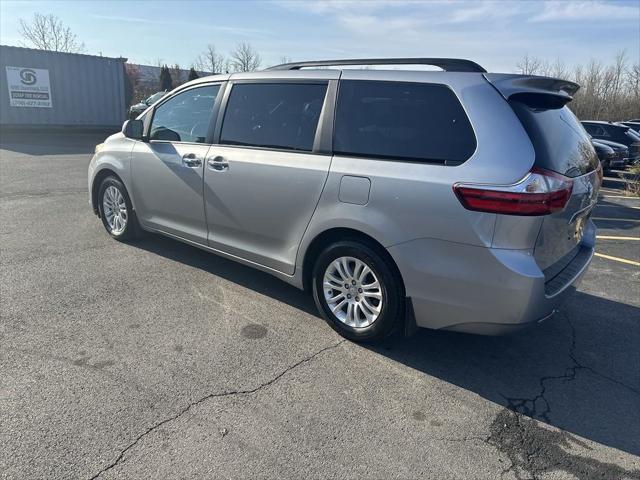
x=357 y=291
x=115 y=209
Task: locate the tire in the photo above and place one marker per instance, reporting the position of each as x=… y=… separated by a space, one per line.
x=126 y=227
x=369 y=321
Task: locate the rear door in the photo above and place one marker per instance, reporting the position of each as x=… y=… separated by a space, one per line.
x=562 y=145
x=263 y=178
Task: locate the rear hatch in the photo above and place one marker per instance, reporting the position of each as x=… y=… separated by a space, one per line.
x=563 y=146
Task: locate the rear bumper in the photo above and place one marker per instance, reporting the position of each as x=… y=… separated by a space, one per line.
x=483 y=290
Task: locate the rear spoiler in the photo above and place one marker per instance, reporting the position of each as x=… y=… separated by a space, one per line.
x=534 y=91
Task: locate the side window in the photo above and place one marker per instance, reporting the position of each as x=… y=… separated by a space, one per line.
x=273 y=115
x=402 y=120
x=185 y=117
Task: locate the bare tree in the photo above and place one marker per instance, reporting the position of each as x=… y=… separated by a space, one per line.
x=211 y=61
x=559 y=69
x=245 y=58
x=633 y=80
x=529 y=65
x=47 y=32
x=607 y=91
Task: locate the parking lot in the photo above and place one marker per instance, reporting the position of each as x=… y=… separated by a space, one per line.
x=157 y=360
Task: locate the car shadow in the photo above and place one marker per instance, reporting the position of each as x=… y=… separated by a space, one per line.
x=551 y=373
x=579 y=371
x=248 y=277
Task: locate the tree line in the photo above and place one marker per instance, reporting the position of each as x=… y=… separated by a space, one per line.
x=609 y=91
x=244 y=58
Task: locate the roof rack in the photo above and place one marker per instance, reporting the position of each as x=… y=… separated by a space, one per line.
x=447 y=64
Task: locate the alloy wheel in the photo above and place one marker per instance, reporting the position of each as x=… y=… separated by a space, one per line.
x=114 y=208
x=352 y=292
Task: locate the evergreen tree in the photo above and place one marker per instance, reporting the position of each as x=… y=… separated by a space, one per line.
x=192 y=74
x=165 y=78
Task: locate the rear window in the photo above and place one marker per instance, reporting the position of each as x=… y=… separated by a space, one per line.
x=271 y=115
x=560 y=141
x=615 y=133
x=595 y=129
x=402 y=120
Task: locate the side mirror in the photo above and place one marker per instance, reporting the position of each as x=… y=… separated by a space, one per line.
x=133 y=129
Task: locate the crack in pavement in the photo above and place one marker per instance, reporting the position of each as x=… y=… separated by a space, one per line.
x=82 y=362
x=572 y=355
x=534 y=450
x=46 y=193
x=56 y=254
x=469 y=438
x=528 y=407
x=207 y=397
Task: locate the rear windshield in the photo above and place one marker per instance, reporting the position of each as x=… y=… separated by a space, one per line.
x=560 y=141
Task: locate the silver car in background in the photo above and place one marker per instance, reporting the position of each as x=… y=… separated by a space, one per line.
x=454 y=199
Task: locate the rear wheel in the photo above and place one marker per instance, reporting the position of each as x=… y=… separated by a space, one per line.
x=115 y=209
x=357 y=291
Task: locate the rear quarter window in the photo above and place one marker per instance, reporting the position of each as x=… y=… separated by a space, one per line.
x=402 y=121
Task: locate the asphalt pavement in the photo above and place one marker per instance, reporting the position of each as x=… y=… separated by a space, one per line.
x=158 y=360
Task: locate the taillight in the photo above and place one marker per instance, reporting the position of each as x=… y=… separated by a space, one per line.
x=541 y=192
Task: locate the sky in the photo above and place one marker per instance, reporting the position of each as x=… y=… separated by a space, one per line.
x=495 y=34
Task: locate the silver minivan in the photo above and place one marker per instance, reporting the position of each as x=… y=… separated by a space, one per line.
x=454 y=199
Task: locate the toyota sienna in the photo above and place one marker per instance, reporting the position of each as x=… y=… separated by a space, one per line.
x=455 y=199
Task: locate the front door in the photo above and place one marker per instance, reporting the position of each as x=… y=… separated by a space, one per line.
x=167 y=171
x=263 y=181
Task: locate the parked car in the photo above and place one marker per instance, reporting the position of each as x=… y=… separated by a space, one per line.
x=616 y=133
x=622 y=152
x=610 y=158
x=138 y=108
x=635 y=126
x=456 y=200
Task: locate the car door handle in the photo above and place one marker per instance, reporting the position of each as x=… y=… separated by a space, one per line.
x=191 y=160
x=219 y=164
